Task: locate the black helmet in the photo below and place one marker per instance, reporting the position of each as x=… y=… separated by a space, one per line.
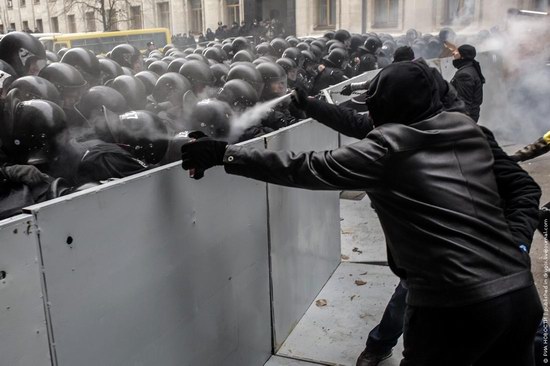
x=148 y=61
x=279 y=45
x=126 y=55
x=239 y=44
x=446 y=34
x=411 y=34
x=37 y=125
x=23 y=52
x=249 y=74
x=242 y=55
x=176 y=64
x=332 y=44
x=213 y=117
x=261 y=60
x=372 y=44
x=166 y=48
x=388 y=47
x=275 y=80
x=158 y=67
x=295 y=55
x=7 y=75
x=220 y=72
x=337 y=58
x=169 y=59
x=215 y=53
x=109 y=69
x=132 y=89
x=342 y=35
x=171 y=87
x=309 y=58
x=63 y=76
x=317 y=52
x=149 y=80
x=265 y=49
x=127 y=71
x=287 y=64
x=85 y=62
x=155 y=54
x=356 y=41
x=228 y=49
x=329 y=35
x=198 y=73
x=319 y=44
x=197 y=57
x=61 y=52
x=97 y=97
x=238 y=94
x=292 y=41
x=33 y=87
x=51 y=57
x=303 y=46
x=144 y=134
x=199 y=50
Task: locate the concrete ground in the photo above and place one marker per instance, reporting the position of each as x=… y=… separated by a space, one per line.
x=335 y=327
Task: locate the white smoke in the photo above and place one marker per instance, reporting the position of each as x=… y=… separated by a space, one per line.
x=517 y=92
x=252 y=116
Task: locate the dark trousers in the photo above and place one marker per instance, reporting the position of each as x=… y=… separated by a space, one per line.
x=385 y=335
x=499 y=332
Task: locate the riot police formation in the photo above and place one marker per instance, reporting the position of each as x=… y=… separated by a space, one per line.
x=73 y=118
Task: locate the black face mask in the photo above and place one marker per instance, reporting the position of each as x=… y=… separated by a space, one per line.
x=458 y=63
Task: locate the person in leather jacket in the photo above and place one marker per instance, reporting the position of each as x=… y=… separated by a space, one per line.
x=430 y=177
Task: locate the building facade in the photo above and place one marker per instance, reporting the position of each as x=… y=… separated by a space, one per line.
x=300 y=17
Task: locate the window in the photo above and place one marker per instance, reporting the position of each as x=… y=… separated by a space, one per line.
x=326 y=14
x=71 y=23
x=135 y=17
x=37 y=1
x=233 y=12
x=12 y=27
x=54 y=25
x=22 y=3
x=386 y=13
x=163 y=12
x=10 y=4
x=39 y=25
x=1 y=28
x=541 y=5
x=90 y=21
x=26 y=26
x=459 y=12
x=196 y=16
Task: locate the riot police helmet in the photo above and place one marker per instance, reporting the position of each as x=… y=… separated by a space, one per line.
x=23 y=52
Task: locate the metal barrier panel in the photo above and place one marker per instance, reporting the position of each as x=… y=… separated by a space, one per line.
x=159 y=269
x=304 y=232
x=23 y=332
x=332 y=93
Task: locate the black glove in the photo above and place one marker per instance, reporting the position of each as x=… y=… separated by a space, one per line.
x=299 y=98
x=346 y=90
x=25 y=174
x=202 y=154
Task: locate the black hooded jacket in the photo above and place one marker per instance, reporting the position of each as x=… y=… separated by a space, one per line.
x=468 y=82
x=430 y=177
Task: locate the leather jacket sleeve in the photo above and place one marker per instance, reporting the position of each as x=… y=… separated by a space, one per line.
x=354 y=167
x=344 y=120
x=519 y=192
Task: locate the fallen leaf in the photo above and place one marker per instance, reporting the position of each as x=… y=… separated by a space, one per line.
x=321 y=302
x=362 y=274
x=360 y=282
x=352 y=297
x=344 y=257
x=356 y=250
